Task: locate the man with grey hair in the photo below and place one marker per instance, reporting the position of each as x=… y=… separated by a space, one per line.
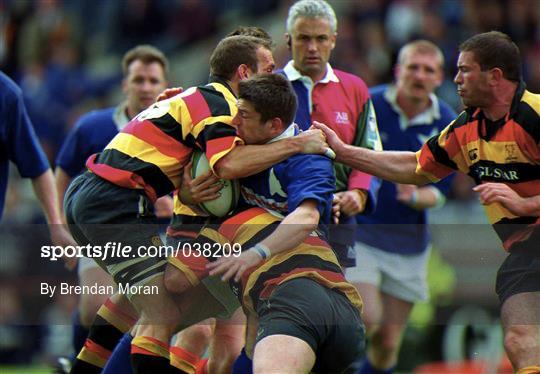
x=338 y=99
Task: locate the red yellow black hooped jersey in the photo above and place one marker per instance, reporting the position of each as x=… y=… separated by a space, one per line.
x=151 y=151
x=313 y=259
x=504 y=151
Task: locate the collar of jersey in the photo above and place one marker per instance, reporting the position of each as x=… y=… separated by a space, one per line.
x=427 y=117
x=120 y=116
x=290 y=131
x=216 y=79
x=294 y=75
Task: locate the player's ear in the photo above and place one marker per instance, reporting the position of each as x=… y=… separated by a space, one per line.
x=243 y=71
x=288 y=40
x=277 y=125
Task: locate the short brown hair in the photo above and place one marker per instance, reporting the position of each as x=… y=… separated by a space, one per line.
x=423 y=47
x=495 y=49
x=234 y=51
x=255 y=31
x=147 y=54
x=271 y=95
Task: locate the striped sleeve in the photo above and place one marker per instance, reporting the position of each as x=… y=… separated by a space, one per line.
x=433 y=160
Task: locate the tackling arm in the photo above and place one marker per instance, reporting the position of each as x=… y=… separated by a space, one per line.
x=247 y=160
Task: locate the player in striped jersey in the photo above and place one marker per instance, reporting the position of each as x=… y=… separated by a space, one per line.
x=301 y=269
x=113 y=201
x=495 y=140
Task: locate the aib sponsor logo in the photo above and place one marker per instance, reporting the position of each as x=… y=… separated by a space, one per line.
x=342 y=118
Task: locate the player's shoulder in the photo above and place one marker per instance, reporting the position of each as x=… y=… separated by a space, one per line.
x=308 y=163
x=8 y=88
x=377 y=92
x=95 y=118
x=351 y=79
x=531 y=100
x=447 y=112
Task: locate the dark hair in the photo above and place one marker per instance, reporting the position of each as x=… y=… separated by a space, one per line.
x=234 y=51
x=271 y=95
x=495 y=49
x=255 y=31
x=147 y=54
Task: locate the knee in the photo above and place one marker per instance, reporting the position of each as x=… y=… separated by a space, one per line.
x=520 y=341
x=175 y=281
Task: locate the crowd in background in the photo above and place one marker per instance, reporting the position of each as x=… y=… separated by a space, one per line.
x=64 y=55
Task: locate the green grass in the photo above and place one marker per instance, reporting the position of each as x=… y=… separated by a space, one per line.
x=33 y=369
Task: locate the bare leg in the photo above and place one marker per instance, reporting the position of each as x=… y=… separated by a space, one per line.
x=520 y=315
x=283 y=354
x=227 y=342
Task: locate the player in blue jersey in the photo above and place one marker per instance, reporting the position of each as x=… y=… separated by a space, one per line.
x=287 y=264
x=393 y=242
x=19 y=144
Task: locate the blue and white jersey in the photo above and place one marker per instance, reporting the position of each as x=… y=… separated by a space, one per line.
x=92 y=132
x=393 y=226
x=18 y=141
x=282 y=188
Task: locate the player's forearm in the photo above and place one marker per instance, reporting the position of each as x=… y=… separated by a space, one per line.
x=393 y=166
x=44 y=188
x=532 y=206
x=62 y=180
x=247 y=160
x=294 y=228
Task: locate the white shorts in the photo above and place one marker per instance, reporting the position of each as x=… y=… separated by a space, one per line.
x=85 y=263
x=401 y=276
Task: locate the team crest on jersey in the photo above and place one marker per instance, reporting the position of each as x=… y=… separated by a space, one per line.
x=510 y=150
x=473 y=154
x=342 y=118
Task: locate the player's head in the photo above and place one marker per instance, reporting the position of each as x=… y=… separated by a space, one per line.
x=255 y=31
x=311 y=36
x=419 y=70
x=145 y=70
x=238 y=57
x=484 y=61
x=266 y=107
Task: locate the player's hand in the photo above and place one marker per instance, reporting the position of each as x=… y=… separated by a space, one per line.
x=205 y=187
x=350 y=203
x=314 y=142
x=229 y=267
x=336 y=208
x=163 y=207
x=169 y=92
x=331 y=137
x=405 y=193
x=501 y=193
x=61 y=236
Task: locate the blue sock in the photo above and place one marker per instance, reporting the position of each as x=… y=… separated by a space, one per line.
x=78 y=331
x=367 y=368
x=242 y=364
x=120 y=360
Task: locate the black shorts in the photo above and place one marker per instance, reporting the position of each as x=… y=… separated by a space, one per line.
x=99 y=212
x=520 y=272
x=323 y=318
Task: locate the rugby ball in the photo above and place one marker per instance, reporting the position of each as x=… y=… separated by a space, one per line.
x=230 y=192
